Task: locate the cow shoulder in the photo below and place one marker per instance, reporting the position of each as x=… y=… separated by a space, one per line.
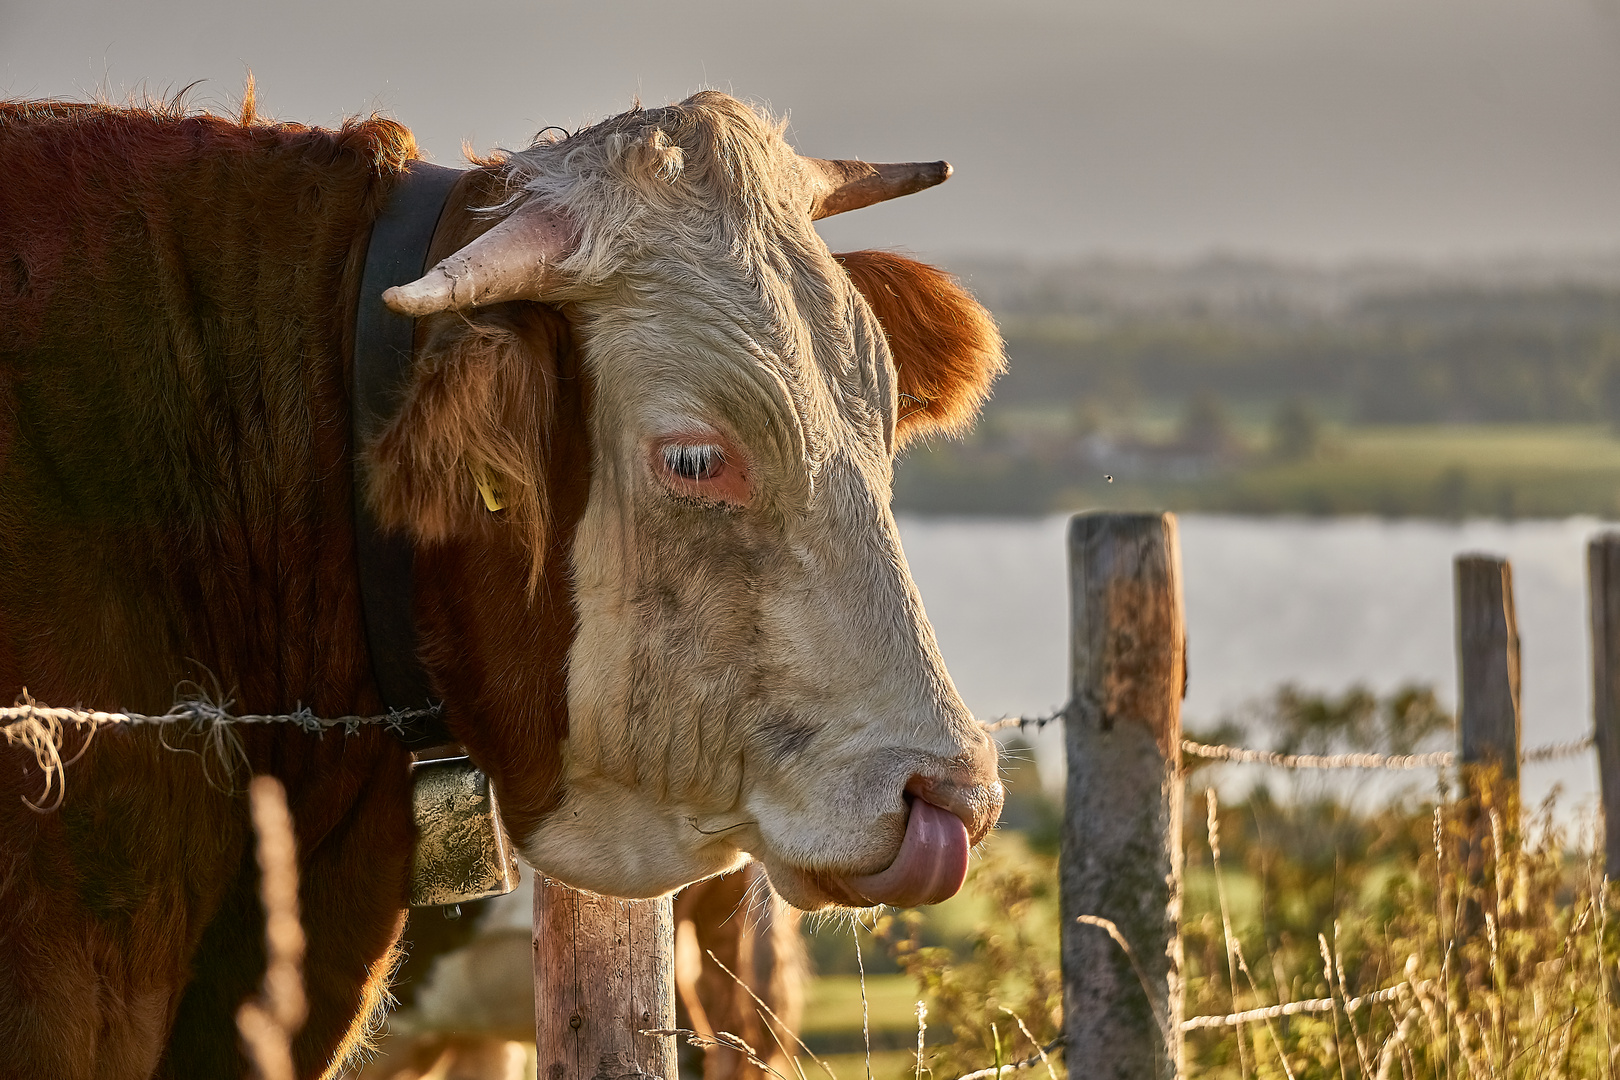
x=947 y=350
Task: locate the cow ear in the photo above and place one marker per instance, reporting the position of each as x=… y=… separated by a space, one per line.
x=468 y=452
x=946 y=348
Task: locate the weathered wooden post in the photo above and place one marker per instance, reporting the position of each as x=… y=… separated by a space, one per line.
x=1603 y=589
x=1121 y=856
x=1488 y=678
x=604 y=971
x=1488 y=728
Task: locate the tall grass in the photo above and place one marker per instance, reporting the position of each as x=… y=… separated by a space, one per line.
x=1421 y=938
x=997 y=996
x=1445 y=942
x=1494 y=949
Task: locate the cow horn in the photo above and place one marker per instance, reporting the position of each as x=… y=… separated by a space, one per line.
x=837 y=186
x=515 y=260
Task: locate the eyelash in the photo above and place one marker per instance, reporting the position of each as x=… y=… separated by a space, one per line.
x=700 y=462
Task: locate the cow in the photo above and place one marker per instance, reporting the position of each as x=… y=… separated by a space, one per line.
x=740 y=964
x=639 y=462
x=466 y=987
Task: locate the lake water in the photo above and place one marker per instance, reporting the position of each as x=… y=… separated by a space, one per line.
x=1320 y=603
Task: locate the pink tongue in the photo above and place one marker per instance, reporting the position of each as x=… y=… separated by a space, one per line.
x=931 y=864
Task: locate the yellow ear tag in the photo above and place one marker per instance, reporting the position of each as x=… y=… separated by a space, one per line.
x=494 y=497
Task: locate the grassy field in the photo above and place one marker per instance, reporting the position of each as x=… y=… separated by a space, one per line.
x=883 y=1065
x=1447 y=471
x=832 y=1013
x=1439 y=470
x=1387 y=891
x=991 y=948
x=1530 y=994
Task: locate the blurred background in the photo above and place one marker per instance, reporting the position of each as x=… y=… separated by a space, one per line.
x=1339 y=282
x=1339 y=129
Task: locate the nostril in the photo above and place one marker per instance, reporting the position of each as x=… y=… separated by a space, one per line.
x=967 y=802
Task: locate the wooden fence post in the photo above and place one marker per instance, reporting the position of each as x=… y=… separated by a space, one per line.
x=1487 y=729
x=1603 y=590
x=1488 y=674
x=1121 y=855
x=604 y=970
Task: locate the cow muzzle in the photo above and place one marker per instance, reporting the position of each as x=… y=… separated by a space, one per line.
x=930 y=866
x=945 y=817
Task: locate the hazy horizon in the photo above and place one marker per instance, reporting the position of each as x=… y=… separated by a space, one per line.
x=1342 y=130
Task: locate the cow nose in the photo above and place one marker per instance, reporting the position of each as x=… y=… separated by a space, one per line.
x=976 y=801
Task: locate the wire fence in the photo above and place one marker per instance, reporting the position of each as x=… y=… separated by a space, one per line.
x=1296 y=1008
x=201 y=712
x=40 y=729
x=1241 y=755
x=1440 y=759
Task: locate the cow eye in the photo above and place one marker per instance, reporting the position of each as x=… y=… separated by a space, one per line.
x=703 y=461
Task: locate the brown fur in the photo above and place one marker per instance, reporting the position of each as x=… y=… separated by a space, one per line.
x=483 y=402
x=176 y=309
x=749 y=930
x=947 y=350
x=449 y=1056
x=176 y=294
x=498 y=389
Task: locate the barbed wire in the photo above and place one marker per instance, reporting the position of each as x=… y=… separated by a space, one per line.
x=1036 y=722
x=1439 y=759
x=1037 y=1058
x=1243 y=756
x=1295 y=1008
x=40 y=730
x=1555 y=751
x=199 y=712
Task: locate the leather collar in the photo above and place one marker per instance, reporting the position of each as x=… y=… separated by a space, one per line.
x=397 y=254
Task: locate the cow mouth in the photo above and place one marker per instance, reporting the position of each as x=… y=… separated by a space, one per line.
x=930 y=866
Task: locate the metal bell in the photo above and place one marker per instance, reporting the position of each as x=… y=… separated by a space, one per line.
x=461 y=851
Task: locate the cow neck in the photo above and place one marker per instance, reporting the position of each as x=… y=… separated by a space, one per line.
x=397 y=254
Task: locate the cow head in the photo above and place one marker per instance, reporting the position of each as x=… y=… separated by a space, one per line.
x=751 y=671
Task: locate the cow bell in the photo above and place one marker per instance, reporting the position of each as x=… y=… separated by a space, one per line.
x=461 y=852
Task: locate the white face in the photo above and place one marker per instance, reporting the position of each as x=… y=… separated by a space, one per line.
x=753 y=673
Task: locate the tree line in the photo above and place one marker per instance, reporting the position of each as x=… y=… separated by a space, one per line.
x=1457 y=354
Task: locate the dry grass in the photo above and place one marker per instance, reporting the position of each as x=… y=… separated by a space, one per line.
x=1496 y=953
x=1461 y=948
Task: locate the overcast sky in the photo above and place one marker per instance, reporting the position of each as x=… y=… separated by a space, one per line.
x=1319 y=129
